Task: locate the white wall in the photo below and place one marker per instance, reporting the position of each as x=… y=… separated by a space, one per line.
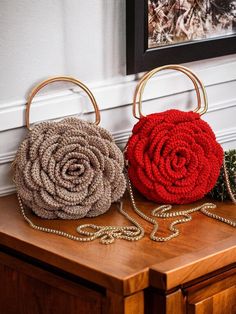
x=48 y=37
x=86 y=39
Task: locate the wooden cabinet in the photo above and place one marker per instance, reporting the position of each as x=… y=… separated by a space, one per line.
x=42 y=273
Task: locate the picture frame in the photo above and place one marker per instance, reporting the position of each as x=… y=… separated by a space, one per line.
x=141 y=58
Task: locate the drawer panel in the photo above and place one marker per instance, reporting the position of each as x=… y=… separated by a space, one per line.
x=216 y=295
x=27 y=289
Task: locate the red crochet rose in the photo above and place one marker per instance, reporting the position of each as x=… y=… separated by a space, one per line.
x=173 y=157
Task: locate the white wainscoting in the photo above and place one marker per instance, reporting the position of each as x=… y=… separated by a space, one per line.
x=170 y=90
x=120 y=92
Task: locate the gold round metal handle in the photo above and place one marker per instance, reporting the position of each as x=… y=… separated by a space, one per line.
x=41 y=85
x=196 y=81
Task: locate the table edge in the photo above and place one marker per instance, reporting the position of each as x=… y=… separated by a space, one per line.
x=179 y=270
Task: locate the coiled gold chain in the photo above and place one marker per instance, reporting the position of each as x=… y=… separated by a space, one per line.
x=163 y=212
x=108 y=234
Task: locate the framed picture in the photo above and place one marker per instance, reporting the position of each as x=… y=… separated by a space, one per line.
x=175 y=31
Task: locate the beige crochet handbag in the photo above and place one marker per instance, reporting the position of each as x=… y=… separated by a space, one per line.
x=68 y=169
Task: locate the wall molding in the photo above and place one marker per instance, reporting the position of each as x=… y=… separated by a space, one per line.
x=121 y=138
x=229 y=103
x=218 y=76
x=224 y=136
x=6 y=190
x=7 y=157
x=116 y=94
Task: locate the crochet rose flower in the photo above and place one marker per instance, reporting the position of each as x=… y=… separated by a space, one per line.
x=173 y=157
x=69 y=169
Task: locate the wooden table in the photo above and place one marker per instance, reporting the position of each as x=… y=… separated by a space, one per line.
x=45 y=273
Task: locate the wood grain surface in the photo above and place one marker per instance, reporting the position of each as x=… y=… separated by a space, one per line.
x=221 y=303
x=215 y=295
x=133 y=304
x=204 y=246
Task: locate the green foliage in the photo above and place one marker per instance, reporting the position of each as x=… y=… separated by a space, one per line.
x=219 y=192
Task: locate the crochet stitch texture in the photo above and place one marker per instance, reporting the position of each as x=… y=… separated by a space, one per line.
x=173 y=157
x=69 y=169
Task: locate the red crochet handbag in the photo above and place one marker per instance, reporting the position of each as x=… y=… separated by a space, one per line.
x=173 y=156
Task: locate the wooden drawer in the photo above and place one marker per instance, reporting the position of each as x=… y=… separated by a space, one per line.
x=27 y=289
x=216 y=295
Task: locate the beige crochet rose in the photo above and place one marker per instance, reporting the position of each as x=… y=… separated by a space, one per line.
x=69 y=169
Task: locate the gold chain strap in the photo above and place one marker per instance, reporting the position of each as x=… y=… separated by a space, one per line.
x=163 y=212
x=108 y=234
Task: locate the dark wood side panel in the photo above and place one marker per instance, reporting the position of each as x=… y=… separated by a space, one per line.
x=117 y=304
x=24 y=293
x=158 y=302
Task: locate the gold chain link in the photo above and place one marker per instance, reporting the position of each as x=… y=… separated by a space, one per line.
x=163 y=212
x=108 y=234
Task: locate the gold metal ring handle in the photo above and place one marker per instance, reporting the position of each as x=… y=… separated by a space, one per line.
x=196 y=81
x=38 y=87
x=141 y=85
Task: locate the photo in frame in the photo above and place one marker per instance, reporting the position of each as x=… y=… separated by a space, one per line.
x=161 y=32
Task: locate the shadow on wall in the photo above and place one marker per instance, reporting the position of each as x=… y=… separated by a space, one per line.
x=94 y=39
x=114 y=41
